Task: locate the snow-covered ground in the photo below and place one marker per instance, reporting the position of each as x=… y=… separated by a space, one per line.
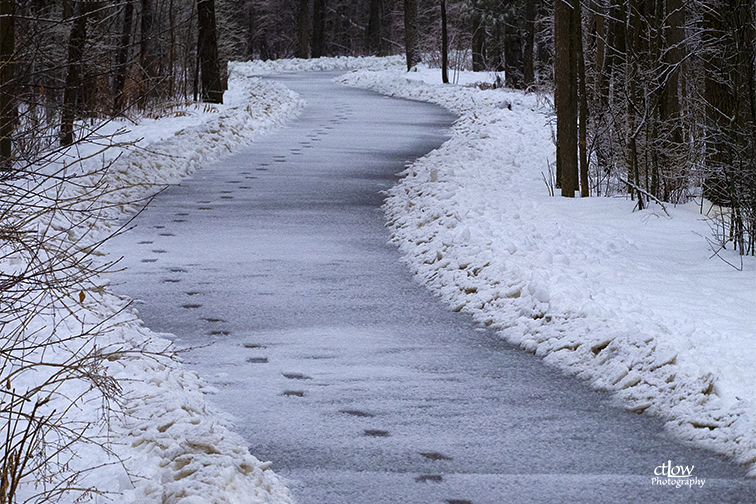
x=629 y=300
x=632 y=301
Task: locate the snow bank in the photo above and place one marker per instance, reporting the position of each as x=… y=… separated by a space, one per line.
x=630 y=301
x=320 y=64
x=169 y=447
x=178 y=448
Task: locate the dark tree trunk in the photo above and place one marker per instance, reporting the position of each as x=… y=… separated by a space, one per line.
x=123 y=57
x=171 y=49
x=513 y=62
x=318 y=28
x=565 y=97
x=478 y=44
x=669 y=103
x=444 y=45
x=303 y=50
x=73 y=78
x=207 y=48
x=7 y=87
x=147 y=59
x=632 y=43
x=374 y=28
x=411 y=33
x=528 y=63
x=583 y=94
x=496 y=47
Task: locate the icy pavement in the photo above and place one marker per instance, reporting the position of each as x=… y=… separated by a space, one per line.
x=338 y=367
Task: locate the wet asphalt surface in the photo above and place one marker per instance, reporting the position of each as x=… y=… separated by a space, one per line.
x=338 y=367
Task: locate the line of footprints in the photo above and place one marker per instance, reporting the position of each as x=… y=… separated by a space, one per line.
x=343 y=112
x=377 y=433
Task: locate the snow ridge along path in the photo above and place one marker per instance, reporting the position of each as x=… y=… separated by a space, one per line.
x=171 y=437
x=630 y=301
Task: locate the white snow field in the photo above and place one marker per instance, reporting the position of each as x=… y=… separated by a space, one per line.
x=632 y=301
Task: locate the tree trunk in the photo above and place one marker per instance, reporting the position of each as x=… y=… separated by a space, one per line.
x=171 y=49
x=123 y=57
x=374 y=28
x=632 y=43
x=513 y=62
x=73 y=78
x=7 y=87
x=565 y=97
x=147 y=59
x=583 y=94
x=318 y=28
x=669 y=103
x=528 y=63
x=444 y=45
x=303 y=50
x=496 y=46
x=411 y=34
x=207 y=48
x=478 y=44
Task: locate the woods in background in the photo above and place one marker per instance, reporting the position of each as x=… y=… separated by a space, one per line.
x=654 y=98
x=64 y=63
x=663 y=91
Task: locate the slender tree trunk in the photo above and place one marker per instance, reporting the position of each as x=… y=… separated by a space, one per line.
x=478 y=44
x=304 y=29
x=147 y=59
x=318 y=28
x=565 y=97
x=123 y=57
x=444 y=45
x=171 y=49
x=632 y=42
x=73 y=78
x=528 y=63
x=497 y=46
x=374 y=28
x=411 y=34
x=190 y=64
x=7 y=87
x=673 y=49
x=583 y=94
x=207 y=48
x=513 y=62
x=598 y=35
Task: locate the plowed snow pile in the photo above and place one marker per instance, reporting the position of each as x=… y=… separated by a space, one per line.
x=631 y=301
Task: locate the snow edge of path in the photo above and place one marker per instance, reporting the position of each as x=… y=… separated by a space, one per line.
x=636 y=367
x=174 y=448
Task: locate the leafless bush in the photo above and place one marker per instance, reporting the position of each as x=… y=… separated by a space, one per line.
x=53 y=354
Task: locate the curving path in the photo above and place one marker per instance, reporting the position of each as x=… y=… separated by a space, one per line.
x=338 y=367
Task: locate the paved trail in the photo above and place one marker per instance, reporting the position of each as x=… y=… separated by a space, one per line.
x=338 y=367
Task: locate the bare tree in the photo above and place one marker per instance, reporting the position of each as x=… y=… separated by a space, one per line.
x=73 y=78
x=565 y=95
x=304 y=29
x=7 y=88
x=207 y=49
x=411 y=33
x=374 y=45
x=444 y=45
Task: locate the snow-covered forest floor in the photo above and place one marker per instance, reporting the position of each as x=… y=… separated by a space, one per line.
x=631 y=301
